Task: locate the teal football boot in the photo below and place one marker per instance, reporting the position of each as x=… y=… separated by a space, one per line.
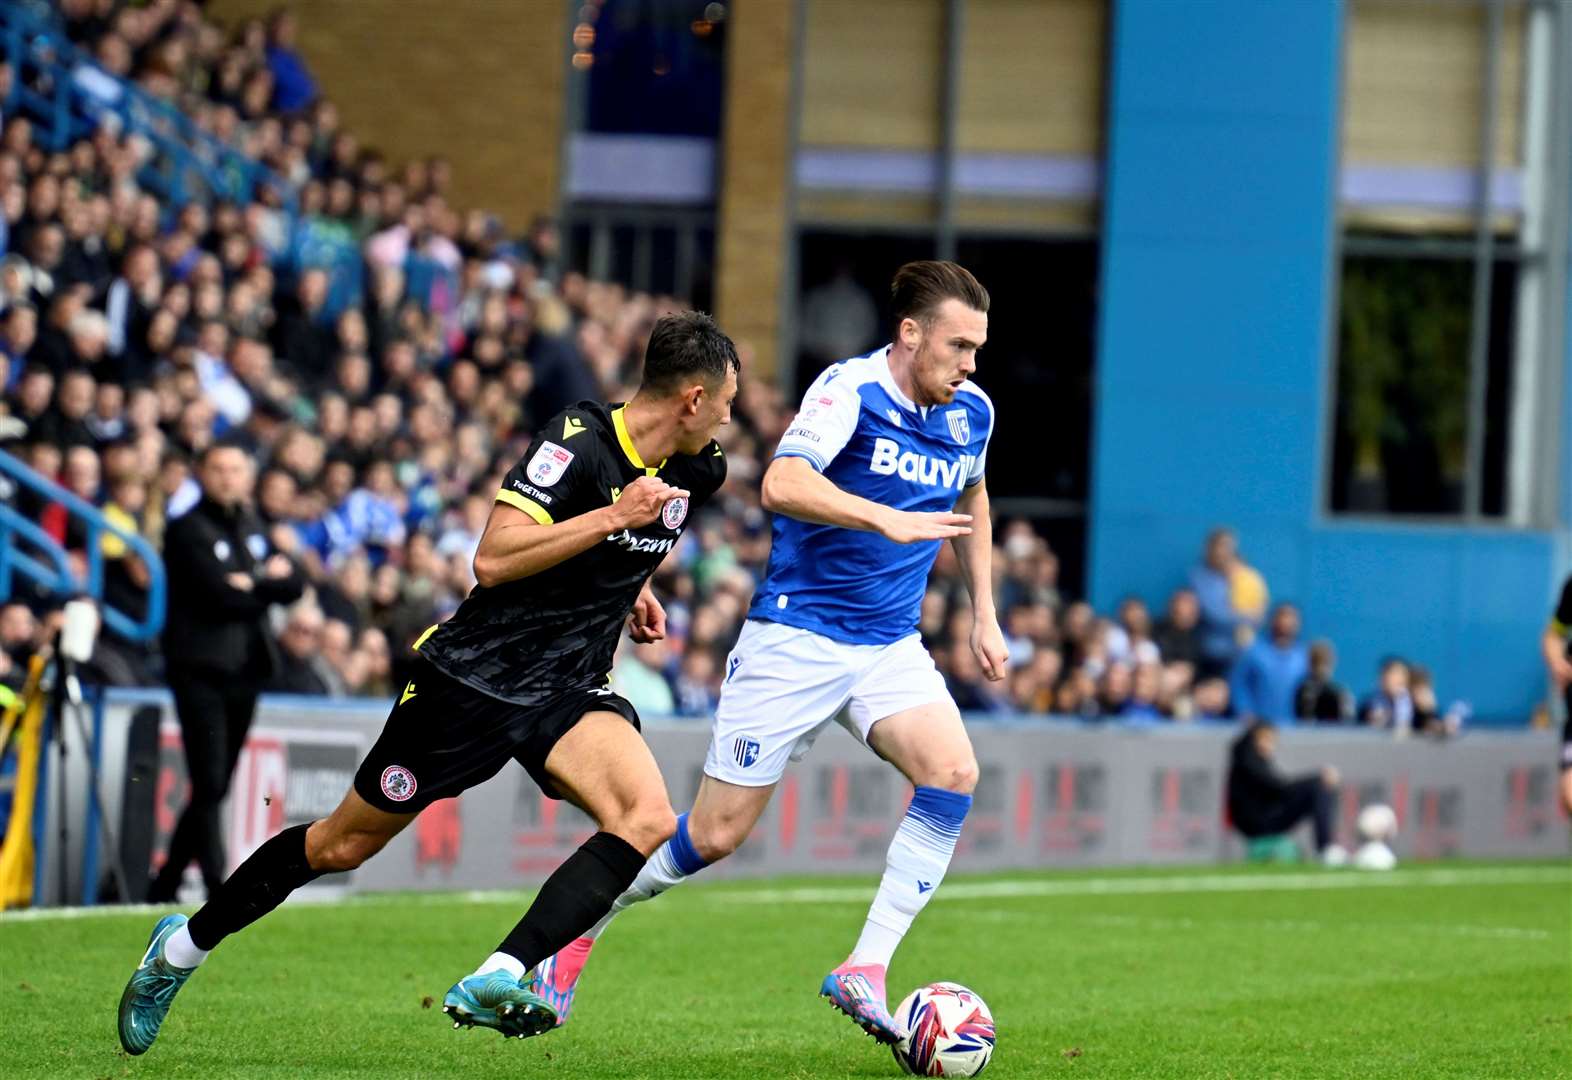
x=152 y=989
x=497 y=1000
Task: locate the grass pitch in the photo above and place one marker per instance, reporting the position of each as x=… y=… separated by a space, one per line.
x=1441 y=970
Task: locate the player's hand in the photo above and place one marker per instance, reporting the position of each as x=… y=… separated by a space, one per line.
x=239 y=581
x=647 y=623
x=993 y=656
x=1561 y=672
x=278 y=566
x=910 y=527
x=643 y=500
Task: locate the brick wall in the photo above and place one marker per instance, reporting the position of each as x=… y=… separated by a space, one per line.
x=478 y=81
x=755 y=170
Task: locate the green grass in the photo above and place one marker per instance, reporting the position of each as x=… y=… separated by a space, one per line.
x=1457 y=970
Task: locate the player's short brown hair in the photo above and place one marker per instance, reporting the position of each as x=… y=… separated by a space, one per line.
x=920 y=287
x=685 y=346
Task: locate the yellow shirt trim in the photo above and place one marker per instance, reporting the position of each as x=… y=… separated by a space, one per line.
x=421 y=640
x=626 y=442
x=529 y=506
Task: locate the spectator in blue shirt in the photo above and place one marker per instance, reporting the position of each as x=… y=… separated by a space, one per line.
x=1269 y=673
x=293 y=86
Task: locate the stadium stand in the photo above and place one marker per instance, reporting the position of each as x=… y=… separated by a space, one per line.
x=194 y=248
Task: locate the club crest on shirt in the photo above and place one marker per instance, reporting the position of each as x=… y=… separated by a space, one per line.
x=960 y=426
x=675 y=512
x=398 y=783
x=548 y=464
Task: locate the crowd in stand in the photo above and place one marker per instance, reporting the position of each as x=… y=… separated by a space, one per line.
x=133 y=334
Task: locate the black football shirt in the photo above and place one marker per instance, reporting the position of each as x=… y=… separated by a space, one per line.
x=1561 y=623
x=527 y=640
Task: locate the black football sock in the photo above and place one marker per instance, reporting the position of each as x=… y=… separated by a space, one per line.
x=257 y=886
x=574 y=898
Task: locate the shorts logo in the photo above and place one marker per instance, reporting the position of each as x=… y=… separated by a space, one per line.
x=746 y=751
x=548 y=464
x=960 y=426
x=398 y=783
x=731 y=667
x=675 y=512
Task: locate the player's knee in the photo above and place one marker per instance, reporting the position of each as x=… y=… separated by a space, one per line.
x=647 y=826
x=958 y=775
x=333 y=853
x=714 y=841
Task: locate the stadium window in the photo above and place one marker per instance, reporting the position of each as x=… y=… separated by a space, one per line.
x=1442 y=358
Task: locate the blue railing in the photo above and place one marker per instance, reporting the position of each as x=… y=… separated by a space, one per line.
x=47 y=563
x=66 y=93
x=69 y=97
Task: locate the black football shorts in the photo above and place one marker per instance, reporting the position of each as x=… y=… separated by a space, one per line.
x=444 y=737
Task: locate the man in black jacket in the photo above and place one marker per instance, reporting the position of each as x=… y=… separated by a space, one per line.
x=1264 y=802
x=222 y=577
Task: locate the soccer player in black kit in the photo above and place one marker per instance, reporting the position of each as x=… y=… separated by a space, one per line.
x=519 y=673
x=1558 y=661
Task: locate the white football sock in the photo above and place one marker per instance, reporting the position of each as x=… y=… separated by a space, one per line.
x=181 y=951
x=918 y=858
x=501 y=961
x=673 y=862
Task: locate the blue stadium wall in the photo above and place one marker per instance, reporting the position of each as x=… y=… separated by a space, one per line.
x=1218 y=293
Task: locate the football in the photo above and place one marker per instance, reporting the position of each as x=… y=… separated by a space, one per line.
x=950 y=1031
x=1377 y=822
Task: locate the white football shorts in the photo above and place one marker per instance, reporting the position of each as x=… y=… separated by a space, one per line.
x=784 y=685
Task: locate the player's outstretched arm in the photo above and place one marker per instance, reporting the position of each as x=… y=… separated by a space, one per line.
x=975 y=553
x=795 y=488
x=515 y=546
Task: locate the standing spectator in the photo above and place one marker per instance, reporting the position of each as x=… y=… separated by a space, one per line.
x=294 y=88
x=1232 y=598
x=1264 y=802
x=222 y=579
x=1269 y=673
x=839 y=319
x=302 y=340
x=1319 y=698
x=1177 y=633
x=1391 y=706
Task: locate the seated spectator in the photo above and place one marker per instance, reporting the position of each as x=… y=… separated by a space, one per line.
x=1211 y=700
x=638 y=673
x=1269 y=673
x=1264 y=802
x=1115 y=689
x=972 y=690
x=1232 y=598
x=1145 y=691
x=1428 y=717
x=1392 y=705
x=301 y=668
x=696 y=689
x=1130 y=639
x=1319 y=698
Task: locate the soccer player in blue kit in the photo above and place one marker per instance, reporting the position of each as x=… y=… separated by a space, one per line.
x=883 y=462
